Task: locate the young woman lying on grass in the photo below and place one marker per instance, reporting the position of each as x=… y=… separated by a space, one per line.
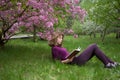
x=60 y=53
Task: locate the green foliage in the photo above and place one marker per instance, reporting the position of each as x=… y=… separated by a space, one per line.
x=77 y=27
x=61 y=23
x=25 y=60
x=102 y=12
x=69 y=21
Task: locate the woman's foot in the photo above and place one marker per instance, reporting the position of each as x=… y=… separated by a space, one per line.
x=110 y=65
x=115 y=64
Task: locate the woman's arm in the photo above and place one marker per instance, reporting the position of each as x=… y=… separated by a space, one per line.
x=67 y=60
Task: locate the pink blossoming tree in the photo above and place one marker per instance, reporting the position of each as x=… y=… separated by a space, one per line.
x=34 y=15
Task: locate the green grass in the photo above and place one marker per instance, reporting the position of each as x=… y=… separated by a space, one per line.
x=26 y=60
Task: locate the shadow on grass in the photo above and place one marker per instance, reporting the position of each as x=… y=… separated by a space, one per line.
x=19 y=50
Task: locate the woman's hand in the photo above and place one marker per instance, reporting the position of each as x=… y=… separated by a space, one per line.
x=67 y=60
x=71 y=59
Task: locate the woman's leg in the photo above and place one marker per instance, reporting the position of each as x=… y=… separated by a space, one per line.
x=109 y=59
x=87 y=54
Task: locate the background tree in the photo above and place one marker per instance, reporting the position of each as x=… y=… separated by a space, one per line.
x=104 y=13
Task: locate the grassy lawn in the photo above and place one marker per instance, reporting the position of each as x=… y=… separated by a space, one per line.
x=22 y=59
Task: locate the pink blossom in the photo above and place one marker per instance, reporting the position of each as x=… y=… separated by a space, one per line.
x=49 y=37
x=7 y=36
x=19 y=5
x=70 y=31
x=49 y=24
x=43 y=18
x=76 y=1
x=75 y=36
x=55 y=1
x=40 y=33
x=51 y=9
x=28 y=24
x=56 y=20
x=21 y=23
x=68 y=1
x=42 y=11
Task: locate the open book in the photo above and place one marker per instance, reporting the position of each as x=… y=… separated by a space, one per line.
x=73 y=53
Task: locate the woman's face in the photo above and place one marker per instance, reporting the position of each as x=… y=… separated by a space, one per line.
x=59 y=39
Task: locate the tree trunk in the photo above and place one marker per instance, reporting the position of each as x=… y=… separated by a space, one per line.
x=34 y=33
x=2 y=43
x=118 y=35
x=69 y=22
x=94 y=34
x=104 y=34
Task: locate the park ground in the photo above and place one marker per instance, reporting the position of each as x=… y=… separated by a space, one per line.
x=23 y=59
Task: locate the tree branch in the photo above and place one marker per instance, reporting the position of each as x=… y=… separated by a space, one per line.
x=16 y=19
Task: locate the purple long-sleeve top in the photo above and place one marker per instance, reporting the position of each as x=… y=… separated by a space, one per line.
x=59 y=53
